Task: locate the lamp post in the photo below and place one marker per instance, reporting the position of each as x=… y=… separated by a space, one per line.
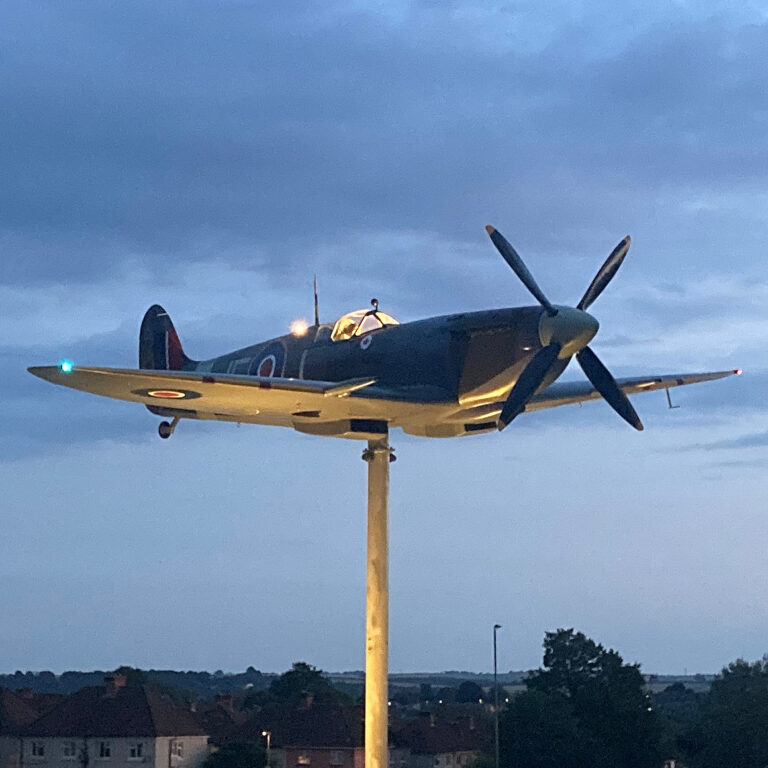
x=268 y=736
x=496 y=627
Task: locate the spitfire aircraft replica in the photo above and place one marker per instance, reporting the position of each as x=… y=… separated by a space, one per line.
x=461 y=374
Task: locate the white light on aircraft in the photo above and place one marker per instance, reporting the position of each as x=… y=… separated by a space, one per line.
x=66 y=366
x=299 y=327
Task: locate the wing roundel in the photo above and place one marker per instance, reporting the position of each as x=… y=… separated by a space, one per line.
x=270 y=362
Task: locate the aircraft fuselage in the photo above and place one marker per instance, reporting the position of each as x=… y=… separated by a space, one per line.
x=466 y=357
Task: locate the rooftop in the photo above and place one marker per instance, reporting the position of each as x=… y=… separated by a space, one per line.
x=116 y=711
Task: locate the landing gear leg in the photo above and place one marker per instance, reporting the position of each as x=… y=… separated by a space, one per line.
x=165 y=429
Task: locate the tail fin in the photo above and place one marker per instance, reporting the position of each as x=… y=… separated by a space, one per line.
x=159 y=345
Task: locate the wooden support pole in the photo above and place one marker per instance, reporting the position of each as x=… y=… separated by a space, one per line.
x=378 y=455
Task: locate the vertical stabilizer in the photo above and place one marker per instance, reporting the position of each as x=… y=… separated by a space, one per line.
x=159 y=345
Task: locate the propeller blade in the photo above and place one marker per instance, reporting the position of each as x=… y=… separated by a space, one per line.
x=518 y=267
x=605 y=273
x=606 y=385
x=528 y=382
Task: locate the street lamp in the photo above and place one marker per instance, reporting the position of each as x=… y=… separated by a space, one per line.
x=496 y=627
x=268 y=736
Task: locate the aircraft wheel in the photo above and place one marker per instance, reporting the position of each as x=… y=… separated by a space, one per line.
x=165 y=430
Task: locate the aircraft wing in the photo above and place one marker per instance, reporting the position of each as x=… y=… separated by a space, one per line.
x=569 y=392
x=212 y=393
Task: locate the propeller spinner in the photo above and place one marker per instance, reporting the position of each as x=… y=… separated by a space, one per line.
x=565 y=331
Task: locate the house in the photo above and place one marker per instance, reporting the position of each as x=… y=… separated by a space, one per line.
x=438 y=743
x=332 y=736
x=219 y=718
x=310 y=736
x=15 y=715
x=115 y=726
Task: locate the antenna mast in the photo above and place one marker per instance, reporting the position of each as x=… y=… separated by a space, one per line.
x=317 y=312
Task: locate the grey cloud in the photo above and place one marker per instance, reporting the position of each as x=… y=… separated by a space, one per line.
x=754 y=440
x=213 y=128
x=743 y=464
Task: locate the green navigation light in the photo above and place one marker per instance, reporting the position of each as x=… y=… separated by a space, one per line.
x=66 y=366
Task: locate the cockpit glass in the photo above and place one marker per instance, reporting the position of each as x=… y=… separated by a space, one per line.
x=360 y=322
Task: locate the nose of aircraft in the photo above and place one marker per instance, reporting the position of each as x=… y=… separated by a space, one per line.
x=572 y=328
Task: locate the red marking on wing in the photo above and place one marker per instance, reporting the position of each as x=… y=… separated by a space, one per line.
x=166 y=393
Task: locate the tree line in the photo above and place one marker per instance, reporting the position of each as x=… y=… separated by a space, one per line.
x=587 y=708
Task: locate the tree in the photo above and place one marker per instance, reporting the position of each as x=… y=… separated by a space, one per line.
x=237 y=756
x=679 y=709
x=468 y=692
x=539 y=731
x=733 y=729
x=294 y=686
x=585 y=707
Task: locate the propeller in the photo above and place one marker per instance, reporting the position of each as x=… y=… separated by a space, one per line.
x=567 y=332
x=605 y=273
x=606 y=385
x=528 y=382
x=518 y=267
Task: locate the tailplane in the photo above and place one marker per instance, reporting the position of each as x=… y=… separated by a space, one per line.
x=159 y=345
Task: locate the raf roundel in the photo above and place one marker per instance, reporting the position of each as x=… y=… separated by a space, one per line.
x=267 y=366
x=365 y=342
x=270 y=363
x=168 y=394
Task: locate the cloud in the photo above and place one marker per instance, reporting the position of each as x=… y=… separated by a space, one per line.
x=211 y=131
x=754 y=440
x=214 y=157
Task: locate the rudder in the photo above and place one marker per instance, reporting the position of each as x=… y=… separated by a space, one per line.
x=159 y=345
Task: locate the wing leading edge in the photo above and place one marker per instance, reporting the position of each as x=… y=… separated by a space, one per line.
x=573 y=392
x=198 y=391
x=570 y=392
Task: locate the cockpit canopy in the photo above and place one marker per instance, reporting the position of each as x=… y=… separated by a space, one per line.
x=359 y=322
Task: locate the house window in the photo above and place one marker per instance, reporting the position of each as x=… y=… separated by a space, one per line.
x=303 y=759
x=68 y=750
x=136 y=750
x=38 y=749
x=337 y=758
x=105 y=750
x=177 y=749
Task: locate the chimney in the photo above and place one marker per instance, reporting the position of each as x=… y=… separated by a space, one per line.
x=306 y=702
x=113 y=683
x=471 y=722
x=432 y=721
x=226 y=701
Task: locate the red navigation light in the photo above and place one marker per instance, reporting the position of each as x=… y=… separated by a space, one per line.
x=738 y=371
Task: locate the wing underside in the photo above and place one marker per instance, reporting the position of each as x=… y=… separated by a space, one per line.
x=574 y=392
x=352 y=408
x=316 y=407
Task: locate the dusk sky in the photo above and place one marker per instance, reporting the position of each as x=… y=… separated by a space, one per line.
x=213 y=156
